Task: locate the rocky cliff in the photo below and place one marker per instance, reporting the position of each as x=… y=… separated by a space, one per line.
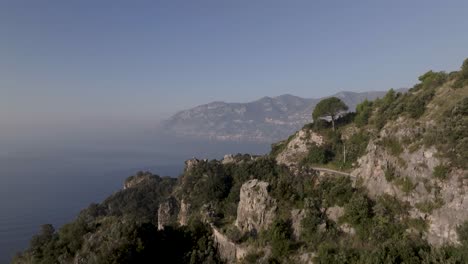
x=402 y=159
x=256 y=210
x=387 y=184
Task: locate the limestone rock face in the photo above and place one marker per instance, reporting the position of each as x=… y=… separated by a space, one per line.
x=256 y=209
x=167 y=213
x=297 y=215
x=229 y=158
x=133 y=181
x=238 y=158
x=183 y=213
x=334 y=213
x=191 y=163
x=444 y=221
x=418 y=166
x=298 y=147
x=228 y=250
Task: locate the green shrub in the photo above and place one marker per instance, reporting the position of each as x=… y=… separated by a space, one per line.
x=309 y=224
x=358 y=211
x=462 y=232
x=441 y=172
x=318 y=155
x=280 y=234
x=356 y=146
x=431 y=80
x=418 y=224
x=363 y=113
x=333 y=254
x=390 y=207
x=336 y=191
x=252 y=257
x=450 y=137
x=277 y=148
x=428 y=206
x=392 y=145
x=462 y=76
x=405 y=184
x=416 y=106
x=390 y=173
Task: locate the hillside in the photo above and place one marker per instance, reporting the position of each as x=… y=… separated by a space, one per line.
x=268 y=119
x=388 y=185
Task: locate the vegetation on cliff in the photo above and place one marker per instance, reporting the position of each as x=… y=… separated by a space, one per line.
x=317 y=216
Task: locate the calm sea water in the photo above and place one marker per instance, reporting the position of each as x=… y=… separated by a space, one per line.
x=52 y=186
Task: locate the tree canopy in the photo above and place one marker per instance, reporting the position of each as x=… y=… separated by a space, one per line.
x=329 y=107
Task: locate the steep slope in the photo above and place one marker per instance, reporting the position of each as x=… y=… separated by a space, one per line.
x=411 y=146
x=265 y=120
x=388 y=185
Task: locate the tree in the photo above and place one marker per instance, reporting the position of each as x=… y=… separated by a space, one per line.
x=329 y=107
x=363 y=113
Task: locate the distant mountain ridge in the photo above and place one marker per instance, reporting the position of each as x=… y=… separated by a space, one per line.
x=268 y=119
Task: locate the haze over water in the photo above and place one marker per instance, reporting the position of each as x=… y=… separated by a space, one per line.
x=51 y=185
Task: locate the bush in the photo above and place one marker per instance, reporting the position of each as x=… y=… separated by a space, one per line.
x=450 y=137
x=406 y=184
x=318 y=155
x=358 y=211
x=309 y=224
x=441 y=172
x=390 y=173
x=462 y=76
x=390 y=207
x=280 y=235
x=393 y=145
x=363 y=113
x=277 y=148
x=431 y=80
x=356 y=147
x=429 y=206
x=462 y=232
x=336 y=191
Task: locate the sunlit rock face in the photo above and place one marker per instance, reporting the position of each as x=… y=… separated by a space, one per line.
x=167 y=212
x=256 y=209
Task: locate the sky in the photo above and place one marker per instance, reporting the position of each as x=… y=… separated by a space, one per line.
x=75 y=64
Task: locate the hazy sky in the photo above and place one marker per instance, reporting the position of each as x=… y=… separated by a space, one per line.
x=77 y=62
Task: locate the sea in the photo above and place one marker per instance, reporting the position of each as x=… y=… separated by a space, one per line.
x=52 y=184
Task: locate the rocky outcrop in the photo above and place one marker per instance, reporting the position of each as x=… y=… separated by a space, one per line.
x=191 y=163
x=184 y=212
x=139 y=178
x=416 y=165
x=298 y=147
x=444 y=221
x=334 y=213
x=228 y=250
x=256 y=209
x=229 y=158
x=238 y=158
x=297 y=215
x=167 y=213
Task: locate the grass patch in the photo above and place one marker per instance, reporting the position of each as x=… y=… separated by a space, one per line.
x=392 y=145
x=390 y=173
x=418 y=224
x=429 y=206
x=405 y=184
x=441 y=172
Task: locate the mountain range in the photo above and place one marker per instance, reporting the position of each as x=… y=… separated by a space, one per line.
x=268 y=119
